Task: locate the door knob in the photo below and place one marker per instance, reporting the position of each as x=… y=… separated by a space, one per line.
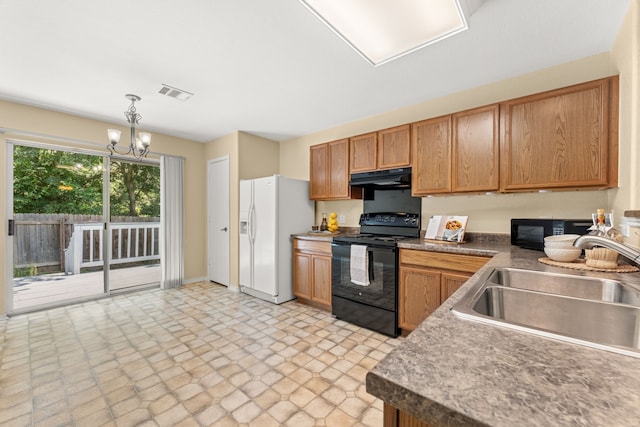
x=223 y=229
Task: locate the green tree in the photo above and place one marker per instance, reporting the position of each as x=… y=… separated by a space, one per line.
x=53 y=181
x=135 y=189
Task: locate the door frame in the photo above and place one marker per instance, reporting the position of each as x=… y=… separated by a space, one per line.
x=210 y=164
x=106 y=164
x=8 y=262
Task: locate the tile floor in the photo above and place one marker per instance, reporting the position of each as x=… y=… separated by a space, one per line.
x=200 y=355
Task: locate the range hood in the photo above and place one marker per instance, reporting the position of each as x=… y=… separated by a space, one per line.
x=390 y=178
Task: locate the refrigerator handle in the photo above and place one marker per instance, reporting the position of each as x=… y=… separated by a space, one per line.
x=250 y=223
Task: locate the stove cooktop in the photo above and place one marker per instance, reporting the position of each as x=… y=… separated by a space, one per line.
x=384 y=229
x=371 y=239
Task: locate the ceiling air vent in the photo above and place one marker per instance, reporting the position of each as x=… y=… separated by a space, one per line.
x=176 y=93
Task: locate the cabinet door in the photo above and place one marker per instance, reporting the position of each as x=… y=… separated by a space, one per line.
x=318 y=172
x=321 y=279
x=475 y=150
x=302 y=277
x=451 y=282
x=560 y=138
x=339 y=169
x=363 y=153
x=394 y=147
x=431 y=156
x=419 y=296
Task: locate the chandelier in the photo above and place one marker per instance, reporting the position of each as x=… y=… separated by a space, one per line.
x=138 y=145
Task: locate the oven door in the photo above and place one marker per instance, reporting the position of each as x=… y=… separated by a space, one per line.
x=373 y=306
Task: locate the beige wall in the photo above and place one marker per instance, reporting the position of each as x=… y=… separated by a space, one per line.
x=488 y=213
x=626 y=57
x=92 y=135
x=259 y=157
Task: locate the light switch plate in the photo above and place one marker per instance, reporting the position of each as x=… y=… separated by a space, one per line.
x=341 y=219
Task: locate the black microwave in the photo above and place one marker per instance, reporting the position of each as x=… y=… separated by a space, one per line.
x=530 y=233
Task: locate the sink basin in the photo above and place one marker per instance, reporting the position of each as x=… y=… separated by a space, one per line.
x=565 y=284
x=594 y=312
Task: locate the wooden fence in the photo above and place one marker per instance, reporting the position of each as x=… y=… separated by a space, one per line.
x=40 y=240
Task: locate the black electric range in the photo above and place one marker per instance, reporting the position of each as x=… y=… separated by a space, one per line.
x=374 y=305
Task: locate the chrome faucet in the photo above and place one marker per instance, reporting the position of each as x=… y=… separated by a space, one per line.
x=588 y=241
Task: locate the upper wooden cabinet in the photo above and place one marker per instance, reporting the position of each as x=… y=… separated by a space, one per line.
x=386 y=149
x=456 y=153
x=431 y=154
x=363 y=152
x=562 y=138
x=319 y=172
x=329 y=172
x=475 y=162
x=394 y=147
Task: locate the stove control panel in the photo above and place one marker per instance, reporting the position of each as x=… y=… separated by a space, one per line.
x=390 y=219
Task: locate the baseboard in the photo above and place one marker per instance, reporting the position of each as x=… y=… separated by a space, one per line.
x=194 y=280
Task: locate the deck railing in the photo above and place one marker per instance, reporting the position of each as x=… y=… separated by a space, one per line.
x=131 y=242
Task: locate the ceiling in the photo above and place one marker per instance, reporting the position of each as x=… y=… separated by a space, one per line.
x=270 y=68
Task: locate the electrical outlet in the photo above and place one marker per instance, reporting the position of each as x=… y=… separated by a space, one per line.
x=341 y=219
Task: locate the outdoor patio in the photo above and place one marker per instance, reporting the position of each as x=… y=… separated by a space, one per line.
x=50 y=288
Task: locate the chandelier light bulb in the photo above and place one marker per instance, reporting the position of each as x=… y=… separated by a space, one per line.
x=114 y=136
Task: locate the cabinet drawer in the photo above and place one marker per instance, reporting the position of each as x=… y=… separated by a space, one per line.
x=442 y=261
x=312 y=246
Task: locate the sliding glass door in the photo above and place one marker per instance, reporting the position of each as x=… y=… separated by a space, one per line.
x=57 y=226
x=134 y=226
x=70 y=241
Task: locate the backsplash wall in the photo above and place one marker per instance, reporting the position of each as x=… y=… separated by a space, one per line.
x=491 y=213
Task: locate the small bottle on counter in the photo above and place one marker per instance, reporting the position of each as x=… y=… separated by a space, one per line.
x=323 y=224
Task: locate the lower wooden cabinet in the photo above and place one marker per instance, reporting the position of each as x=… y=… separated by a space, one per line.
x=427 y=279
x=394 y=417
x=312 y=272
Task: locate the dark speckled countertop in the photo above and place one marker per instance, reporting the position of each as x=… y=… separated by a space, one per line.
x=455 y=372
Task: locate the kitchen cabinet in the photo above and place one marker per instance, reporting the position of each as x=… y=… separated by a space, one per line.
x=385 y=149
x=457 y=153
x=563 y=138
x=329 y=172
x=394 y=147
x=393 y=417
x=475 y=153
x=431 y=156
x=363 y=152
x=427 y=279
x=312 y=272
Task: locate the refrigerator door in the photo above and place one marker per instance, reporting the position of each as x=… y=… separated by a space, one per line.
x=265 y=191
x=245 y=243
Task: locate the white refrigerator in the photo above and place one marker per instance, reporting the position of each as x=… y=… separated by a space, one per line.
x=271 y=210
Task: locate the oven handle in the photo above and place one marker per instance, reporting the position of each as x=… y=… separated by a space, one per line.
x=374 y=247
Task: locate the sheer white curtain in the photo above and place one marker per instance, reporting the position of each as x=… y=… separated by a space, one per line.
x=171 y=222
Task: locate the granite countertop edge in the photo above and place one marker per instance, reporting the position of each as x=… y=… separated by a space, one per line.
x=454 y=372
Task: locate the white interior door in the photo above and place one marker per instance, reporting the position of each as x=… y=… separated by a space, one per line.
x=218 y=219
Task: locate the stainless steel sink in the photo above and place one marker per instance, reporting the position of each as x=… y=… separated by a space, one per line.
x=595 y=312
x=565 y=284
